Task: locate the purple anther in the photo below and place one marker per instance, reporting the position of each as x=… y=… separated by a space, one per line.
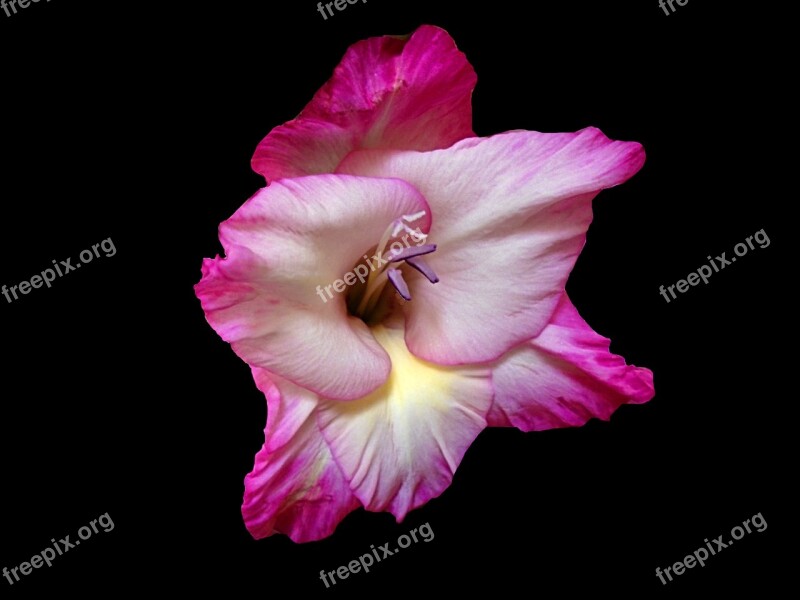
x=396 y=277
x=412 y=252
x=423 y=267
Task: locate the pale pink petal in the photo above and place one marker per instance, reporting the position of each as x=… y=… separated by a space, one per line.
x=388 y=92
x=400 y=446
x=295 y=487
x=564 y=377
x=510 y=218
x=288 y=239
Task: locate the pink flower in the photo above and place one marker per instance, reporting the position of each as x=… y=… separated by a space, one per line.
x=373 y=399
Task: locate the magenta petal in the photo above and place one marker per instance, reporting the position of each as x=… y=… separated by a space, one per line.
x=295 y=487
x=388 y=92
x=564 y=377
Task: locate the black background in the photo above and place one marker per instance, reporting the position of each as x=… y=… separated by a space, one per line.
x=137 y=121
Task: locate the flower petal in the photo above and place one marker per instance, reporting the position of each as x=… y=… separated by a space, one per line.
x=564 y=377
x=400 y=446
x=511 y=213
x=388 y=92
x=284 y=246
x=295 y=487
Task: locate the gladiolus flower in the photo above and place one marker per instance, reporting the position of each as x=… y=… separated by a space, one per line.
x=375 y=393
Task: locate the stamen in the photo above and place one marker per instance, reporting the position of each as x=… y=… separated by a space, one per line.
x=423 y=267
x=412 y=252
x=379 y=276
x=396 y=277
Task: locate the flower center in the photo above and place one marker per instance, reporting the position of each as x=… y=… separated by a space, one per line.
x=368 y=301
